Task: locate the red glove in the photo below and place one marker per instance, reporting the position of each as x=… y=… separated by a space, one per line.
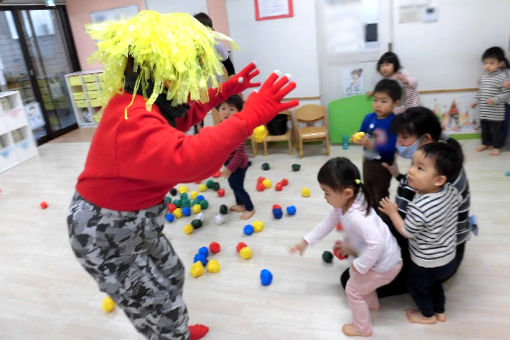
x=262 y=106
x=240 y=81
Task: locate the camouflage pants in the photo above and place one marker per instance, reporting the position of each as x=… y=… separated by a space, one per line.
x=134 y=263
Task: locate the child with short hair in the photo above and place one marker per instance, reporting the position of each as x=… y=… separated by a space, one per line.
x=430 y=225
x=491 y=98
x=237 y=163
x=379 y=141
x=389 y=67
x=366 y=235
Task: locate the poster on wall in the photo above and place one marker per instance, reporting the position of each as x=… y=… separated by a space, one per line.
x=273 y=9
x=454 y=111
x=353 y=80
x=113 y=14
x=34 y=115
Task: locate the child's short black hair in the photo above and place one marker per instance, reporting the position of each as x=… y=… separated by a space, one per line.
x=204 y=19
x=390 y=58
x=497 y=53
x=417 y=121
x=390 y=87
x=234 y=100
x=447 y=159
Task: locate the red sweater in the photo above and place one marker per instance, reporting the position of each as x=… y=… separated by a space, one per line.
x=132 y=163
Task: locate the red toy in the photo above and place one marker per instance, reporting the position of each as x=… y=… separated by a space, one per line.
x=171 y=207
x=278 y=186
x=339 y=226
x=260 y=186
x=221 y=192
x=336 y=251
x=284 y=182
x=214 y=247
x=217 y=174
x=240 y=246
x=277 y=206
x=260 y=179
x=43 y=205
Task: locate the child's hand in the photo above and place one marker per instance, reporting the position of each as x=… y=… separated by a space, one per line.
x=370 y=94
x=393 y=169
x=401 y=77
x=388 y=207
x=490 y=101
x=344 y=248
x=507 y=84
x=226 y=173
x=367 y=143
x=473 y=105
x=301 y=246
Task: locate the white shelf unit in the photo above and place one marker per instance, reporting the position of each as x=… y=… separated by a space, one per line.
x=85 y=89
x=17 y=143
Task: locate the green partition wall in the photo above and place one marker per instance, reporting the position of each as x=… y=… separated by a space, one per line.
x=346 y=115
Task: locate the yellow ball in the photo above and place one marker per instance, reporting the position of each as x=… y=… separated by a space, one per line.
x=245 y=253
x=358 y=137
x=178 y=213
x=197 y=269
x=213 y=266
x=182 y=189
x=266 y=183
x=196 y=208
x=305 y=192
x=188 y=229
x=193 y=195
x=258 y=226
x=202 y=187
x=108 y=304
x=260 y=133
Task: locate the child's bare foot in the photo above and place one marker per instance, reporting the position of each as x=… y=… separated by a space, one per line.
x=482 y=148
x=238 y=208
x=441 y=317
x=247 y=214
x=415 y=316
x=350 y=330
x=495 y=152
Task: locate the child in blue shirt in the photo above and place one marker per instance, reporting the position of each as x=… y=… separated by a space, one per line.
x=379 y=142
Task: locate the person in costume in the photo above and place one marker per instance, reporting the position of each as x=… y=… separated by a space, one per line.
x=157 y=70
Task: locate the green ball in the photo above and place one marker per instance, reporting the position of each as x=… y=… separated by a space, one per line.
x=184 y=196
x=204 y=204
x=327 y=256
x=296 y=167
x=265 y=166
x=209 y=183
x=223 y=209
x=178 y=203
x=215 y=186
x=195 y=201
x=168 y=200
x=185 y=202
x=196 y=223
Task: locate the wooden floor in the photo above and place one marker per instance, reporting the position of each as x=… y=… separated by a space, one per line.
x=45 y=294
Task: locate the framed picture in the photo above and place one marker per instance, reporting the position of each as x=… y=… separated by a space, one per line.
x=273 y=9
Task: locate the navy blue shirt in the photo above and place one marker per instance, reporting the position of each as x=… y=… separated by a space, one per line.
x=384 y=140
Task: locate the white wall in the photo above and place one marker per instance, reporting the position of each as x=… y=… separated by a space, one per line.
x=287 y=44
x=169 y=6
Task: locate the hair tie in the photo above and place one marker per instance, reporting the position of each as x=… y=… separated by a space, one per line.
x=357 y=181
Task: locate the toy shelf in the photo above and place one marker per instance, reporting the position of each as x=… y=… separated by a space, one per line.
x=85 y=89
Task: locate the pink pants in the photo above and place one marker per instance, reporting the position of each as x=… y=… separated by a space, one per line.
x=361 y=294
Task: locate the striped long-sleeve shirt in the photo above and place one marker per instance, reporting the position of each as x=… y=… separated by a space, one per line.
x=491 y=86
x=410 y=96
x=431 y=224
x=238 y=158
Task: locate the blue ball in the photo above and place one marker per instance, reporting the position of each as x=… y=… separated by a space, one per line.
x=200 y=197
x=277 y=213
x=204 y=251
x=248 y=229
x=291 y=210
x=266 y=277
x=186 y=211
x=170 y=217
x=201 y=258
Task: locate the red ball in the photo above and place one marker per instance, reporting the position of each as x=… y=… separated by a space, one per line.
x=336 y=251
x=260 y=179
x=260 y=187
x=221 y=192
x=171 y=207
x=284 y=182
x=277 y=206
x=217 y=174
x=278 y=186
x=339 y=226
x=214 y=247
x=240 y=246
x=43 y=205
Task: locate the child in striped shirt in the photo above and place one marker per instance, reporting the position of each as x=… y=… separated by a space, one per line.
x=491 y=98
x=237 y=163
x=430 y=225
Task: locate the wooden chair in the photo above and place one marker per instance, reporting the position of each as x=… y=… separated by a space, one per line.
x=311 y=114
x=288 y=136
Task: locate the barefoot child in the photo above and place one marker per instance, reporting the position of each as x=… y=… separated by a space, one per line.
x=430 y=225
x=367 y=236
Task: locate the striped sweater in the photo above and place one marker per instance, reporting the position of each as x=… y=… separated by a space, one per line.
x=410 y=96
x=238 y=158
x=431 y=224
x=491 y=86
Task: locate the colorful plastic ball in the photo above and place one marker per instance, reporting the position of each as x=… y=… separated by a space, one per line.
x=291 y=210
x=197 y=224
x=260 y=133
x=245 y=253
x=260 y=187
x=217 y=174
x=277 y=213
x=202 y=258
x=358 y=137
x=177 y=203
x=200 y=216
x=223 y=209
x=240 y=246
x=276 y=206
x=265 y=166
x=248 y=229
x=296 y=167
x=337 y=253
x=278 y=186
x=188 y=229
x=214 y=247
x=197 y=269
x=221 y=192
x=219 y=219
x=171 y=207
x=200 y=198
x=209 y=183
x=183 y=189
x=258 y=226
x=327 y=256
x=196 y=208
x=43 y=205
x=213 y=266
x=339 y=226
x=186 y=211
x=202 y=187
x=284 y=182
x=170 y=217
x=204 y=204
x=168 y=200
x=260 y=179
x=267 y=183
x=305 y=192
x=185 y=202
x=193 y=195
x=108 y=304
x=184 y=195
x=178 y=213
x=215 y=186
x=266 y=277
x=173 y=192
x=204 y=251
